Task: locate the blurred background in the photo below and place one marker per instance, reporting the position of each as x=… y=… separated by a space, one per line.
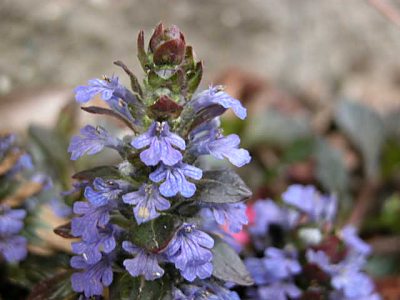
x=321 y=47
x=320 y=79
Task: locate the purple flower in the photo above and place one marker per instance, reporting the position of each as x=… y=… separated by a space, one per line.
x=144 y=263
x=60 y=208
x=122 y=109
x=105 y=87
x=203 y=291
x=160 y=141
x=148 y=202
x=221 y=292
x=310 y=201
x=353 y=284
x=352 y=240
x=104 y=191
x=257 y=270
x=11 y=220
x=337 y=295
x=232 y=214
x=190 y=251
x=210 y=225
x=215 y=95
x=6 y=143
x=267 y=213
x=91 y=251
x=91 y=218
x=320 y=259
x=281 y=264
x=279 y=291
x=109 y=88
x=43 y=180
x=92 y=141
x=346 y=276
x=220 y=147
x=175 y=179
x=116 y=95
x=13 y=248
x=94 y=277
x=76 y=187
x=23 y=163
x=192 y=292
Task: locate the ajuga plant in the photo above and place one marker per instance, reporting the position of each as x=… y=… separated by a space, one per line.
x=156 y=225
x=298 y=251
x=19 y=186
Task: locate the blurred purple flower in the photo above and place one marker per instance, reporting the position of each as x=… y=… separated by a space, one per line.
x=308 y=200
x=257 y=270
x=267 y=213
x=61 y=209
x=353 y=241
x=12 y=246
x=231 y=214
x=11 y=220
x=6 y=142
x=281 y=264
x=279 y=291
x=346 y=277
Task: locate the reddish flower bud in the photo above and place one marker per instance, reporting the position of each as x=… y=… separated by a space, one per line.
x=167 y=45
x=165 y=107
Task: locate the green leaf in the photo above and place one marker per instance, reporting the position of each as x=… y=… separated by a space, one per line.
x=299 y=150
x=67 y=120
x=366 y=131
x=127 y=287
x=195 y=78
x=390 y=163
x=57 y=287
x=135 y=85
x=53 y=148
x=392 y=124
x=155 y=234
x=221 y=186
x=36 y=268
x=105 y=172
x=227 y=264
x=330 y=169
x=275 y=128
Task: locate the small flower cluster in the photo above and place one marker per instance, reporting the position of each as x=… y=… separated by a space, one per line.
x=147 y=212
x=13 y=246
x=13 y=164
x=305 y=256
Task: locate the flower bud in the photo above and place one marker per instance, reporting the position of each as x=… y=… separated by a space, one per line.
x=167 y=45
x=165 y=108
